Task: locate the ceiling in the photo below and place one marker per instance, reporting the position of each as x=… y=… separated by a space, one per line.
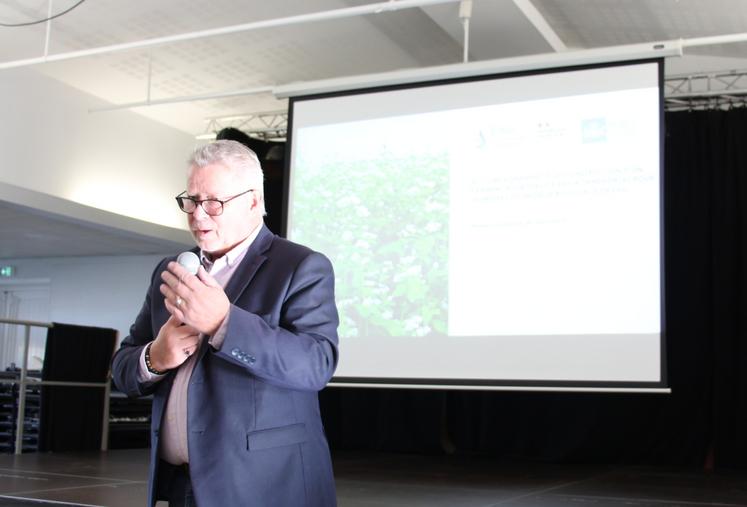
x=347 y=46
x=30 y=233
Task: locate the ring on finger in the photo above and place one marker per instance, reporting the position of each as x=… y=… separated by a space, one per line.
x=179 y=301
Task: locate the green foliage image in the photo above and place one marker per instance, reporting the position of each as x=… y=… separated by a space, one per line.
x=387 y=237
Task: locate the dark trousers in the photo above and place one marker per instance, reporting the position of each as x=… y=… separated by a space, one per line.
x=174 y=485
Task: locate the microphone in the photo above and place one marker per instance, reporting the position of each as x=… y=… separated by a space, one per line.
x=189 y=261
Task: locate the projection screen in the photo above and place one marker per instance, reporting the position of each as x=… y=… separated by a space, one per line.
x=497 y=231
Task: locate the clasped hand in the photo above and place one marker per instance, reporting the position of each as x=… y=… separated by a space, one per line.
x=197 y=305
x=196 y=300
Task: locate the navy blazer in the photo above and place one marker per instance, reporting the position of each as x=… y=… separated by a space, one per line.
x=254 y=430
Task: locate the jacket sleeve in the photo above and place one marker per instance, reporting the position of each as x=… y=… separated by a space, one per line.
x=299 y=351
x=126 y=361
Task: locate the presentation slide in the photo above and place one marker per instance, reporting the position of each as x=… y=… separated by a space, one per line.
x=500 y=230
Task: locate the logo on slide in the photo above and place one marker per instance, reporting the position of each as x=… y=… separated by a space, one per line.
x=594 y=130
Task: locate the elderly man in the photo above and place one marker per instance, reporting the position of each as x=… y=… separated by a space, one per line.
x=234 y=355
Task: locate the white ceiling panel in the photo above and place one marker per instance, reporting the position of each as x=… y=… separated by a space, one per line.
x=598 y=23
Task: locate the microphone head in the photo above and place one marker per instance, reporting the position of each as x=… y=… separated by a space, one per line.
x=189 y=261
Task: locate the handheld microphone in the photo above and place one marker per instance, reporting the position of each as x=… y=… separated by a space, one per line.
x=189 y=261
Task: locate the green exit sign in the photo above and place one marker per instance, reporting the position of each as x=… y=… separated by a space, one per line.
x=7 y=271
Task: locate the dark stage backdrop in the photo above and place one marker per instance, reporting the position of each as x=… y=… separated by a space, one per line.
x=704 y=420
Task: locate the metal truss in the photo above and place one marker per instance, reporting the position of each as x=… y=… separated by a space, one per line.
x=719 y=90
x=267 y=126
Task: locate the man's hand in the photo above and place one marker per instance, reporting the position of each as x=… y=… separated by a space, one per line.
x=198 y=301
x=173 y=345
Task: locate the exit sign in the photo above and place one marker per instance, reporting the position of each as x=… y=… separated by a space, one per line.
x=7 y=271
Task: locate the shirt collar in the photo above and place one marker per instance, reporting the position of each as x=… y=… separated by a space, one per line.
x=234 y=255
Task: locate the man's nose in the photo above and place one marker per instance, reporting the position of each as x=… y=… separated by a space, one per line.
x=199 y=212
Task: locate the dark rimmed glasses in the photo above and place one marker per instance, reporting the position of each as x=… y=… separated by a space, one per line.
x=212 y=207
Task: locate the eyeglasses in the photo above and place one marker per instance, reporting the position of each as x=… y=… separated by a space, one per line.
x=212 y=207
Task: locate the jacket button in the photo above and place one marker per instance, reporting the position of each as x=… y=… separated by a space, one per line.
x=252 y=359
x=234 y=352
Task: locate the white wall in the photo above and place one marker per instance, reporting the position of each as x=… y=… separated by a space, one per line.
x=92 y=291
x=118 y=161
x=56 y=156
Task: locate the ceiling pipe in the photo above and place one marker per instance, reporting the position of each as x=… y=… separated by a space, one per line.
x=48 y=32
x=714 y=40
x=191 y=98
x=715 y=93
x=241 y=116
x=348 y=12
x=465 y=14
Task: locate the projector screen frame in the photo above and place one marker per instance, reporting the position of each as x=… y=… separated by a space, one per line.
x=660 y=386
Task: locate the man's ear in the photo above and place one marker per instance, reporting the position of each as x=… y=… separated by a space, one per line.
x=256 y=199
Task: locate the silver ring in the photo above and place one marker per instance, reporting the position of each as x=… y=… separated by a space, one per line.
x=179 y=301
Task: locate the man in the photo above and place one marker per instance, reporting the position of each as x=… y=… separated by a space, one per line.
x=234 y=355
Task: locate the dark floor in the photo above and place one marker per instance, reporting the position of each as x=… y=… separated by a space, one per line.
x=118 y=479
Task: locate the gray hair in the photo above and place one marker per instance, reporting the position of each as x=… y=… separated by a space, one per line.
x=236 y=157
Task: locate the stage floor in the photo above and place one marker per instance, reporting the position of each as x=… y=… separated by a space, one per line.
x=118 y=479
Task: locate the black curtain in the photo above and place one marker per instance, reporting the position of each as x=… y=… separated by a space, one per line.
x=703 y=421
x=70 y=417
x=706 y=191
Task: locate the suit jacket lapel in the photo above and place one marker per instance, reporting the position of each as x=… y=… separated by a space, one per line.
x=238 y=283
x=251 y=262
